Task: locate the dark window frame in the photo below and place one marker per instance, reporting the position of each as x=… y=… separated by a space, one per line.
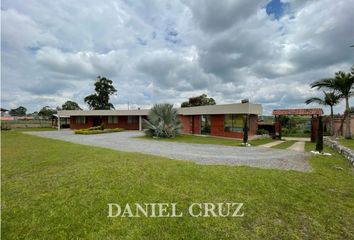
x=80 y=120
x=113 y=120
x=133 y=119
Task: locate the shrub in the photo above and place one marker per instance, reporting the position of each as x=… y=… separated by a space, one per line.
x=284 y=131
x=94 y=128
x=88 y=131
x=262 y=132
x=163 y=121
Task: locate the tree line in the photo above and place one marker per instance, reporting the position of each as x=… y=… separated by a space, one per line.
x=100 y=101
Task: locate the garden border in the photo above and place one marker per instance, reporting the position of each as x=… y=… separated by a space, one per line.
x=346 y=152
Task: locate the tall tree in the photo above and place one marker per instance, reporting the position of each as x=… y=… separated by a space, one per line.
x=100 y=99
x=342 y=84
x=201 y=100
x=70 y=105
x=20 y=111
x=330 y=99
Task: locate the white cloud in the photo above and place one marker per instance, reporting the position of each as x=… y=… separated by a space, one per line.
x=166 y=51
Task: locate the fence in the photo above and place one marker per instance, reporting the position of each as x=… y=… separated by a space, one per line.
x=33 y=123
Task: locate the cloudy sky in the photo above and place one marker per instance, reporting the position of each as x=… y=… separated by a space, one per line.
x=166 y=51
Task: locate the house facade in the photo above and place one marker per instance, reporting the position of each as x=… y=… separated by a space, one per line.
x=226 y=120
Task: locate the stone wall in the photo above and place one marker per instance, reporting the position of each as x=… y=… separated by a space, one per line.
x=346 y=152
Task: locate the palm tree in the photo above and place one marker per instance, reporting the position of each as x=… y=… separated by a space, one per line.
x=163 y=121
x=330 y=99
x=342 y=84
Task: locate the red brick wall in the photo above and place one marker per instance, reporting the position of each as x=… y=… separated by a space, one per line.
x=74 y=125
x=196 y=124
x=122 y=123
x=186 y=124
x=191 y=125
x=253 y=125
x=217 y=127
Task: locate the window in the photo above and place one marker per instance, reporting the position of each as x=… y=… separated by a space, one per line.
x=80 y=120
x=112 y=119
x=132 y=119
x=233 y=123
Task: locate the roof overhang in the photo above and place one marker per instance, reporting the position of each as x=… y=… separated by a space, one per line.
x=235 y=108
x=142 y=112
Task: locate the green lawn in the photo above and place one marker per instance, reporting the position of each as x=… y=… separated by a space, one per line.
x=209 y=140
x=59 y=190
x=347 y=143
x=284 y=144
x=33 y=129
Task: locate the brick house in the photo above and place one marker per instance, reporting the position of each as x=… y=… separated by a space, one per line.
x=225 y=120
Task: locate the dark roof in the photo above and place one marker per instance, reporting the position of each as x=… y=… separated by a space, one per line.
x=298 y=111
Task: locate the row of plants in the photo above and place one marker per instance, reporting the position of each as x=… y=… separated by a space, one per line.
x=97 y=130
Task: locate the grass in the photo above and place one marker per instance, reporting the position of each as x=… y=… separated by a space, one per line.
x=33 y=129
x=284 y=145
x=347 y=143
x=209 y=140
x=59 y=190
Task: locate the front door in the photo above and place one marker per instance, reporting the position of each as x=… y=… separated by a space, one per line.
x=205 y=125
x=97 y=121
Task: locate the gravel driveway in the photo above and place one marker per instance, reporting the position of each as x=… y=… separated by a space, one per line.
x=199 y=153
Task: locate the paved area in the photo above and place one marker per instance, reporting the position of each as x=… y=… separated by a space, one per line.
x=299 y=139
x=298 y=147
x=199 y=153
x=271 y=144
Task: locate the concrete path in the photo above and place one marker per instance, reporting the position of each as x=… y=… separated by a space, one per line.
x=299 y=139
x=298 y=147
x=271 y=144
x=199 y=153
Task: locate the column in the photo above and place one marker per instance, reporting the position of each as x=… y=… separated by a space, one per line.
x=140 y=124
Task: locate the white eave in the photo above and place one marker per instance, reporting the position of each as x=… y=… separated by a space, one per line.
x=235 y=108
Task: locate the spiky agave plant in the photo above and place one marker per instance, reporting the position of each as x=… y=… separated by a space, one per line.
x=163 y=121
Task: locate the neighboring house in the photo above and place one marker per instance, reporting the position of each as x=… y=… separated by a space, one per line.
x=217 y=120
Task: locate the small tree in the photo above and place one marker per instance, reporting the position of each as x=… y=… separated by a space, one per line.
x=319 y=143
x=100 y=100
x=70 y=105
x=46 y=112
x=163 y=121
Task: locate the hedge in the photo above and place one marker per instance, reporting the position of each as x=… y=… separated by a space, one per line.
x=87 y=131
